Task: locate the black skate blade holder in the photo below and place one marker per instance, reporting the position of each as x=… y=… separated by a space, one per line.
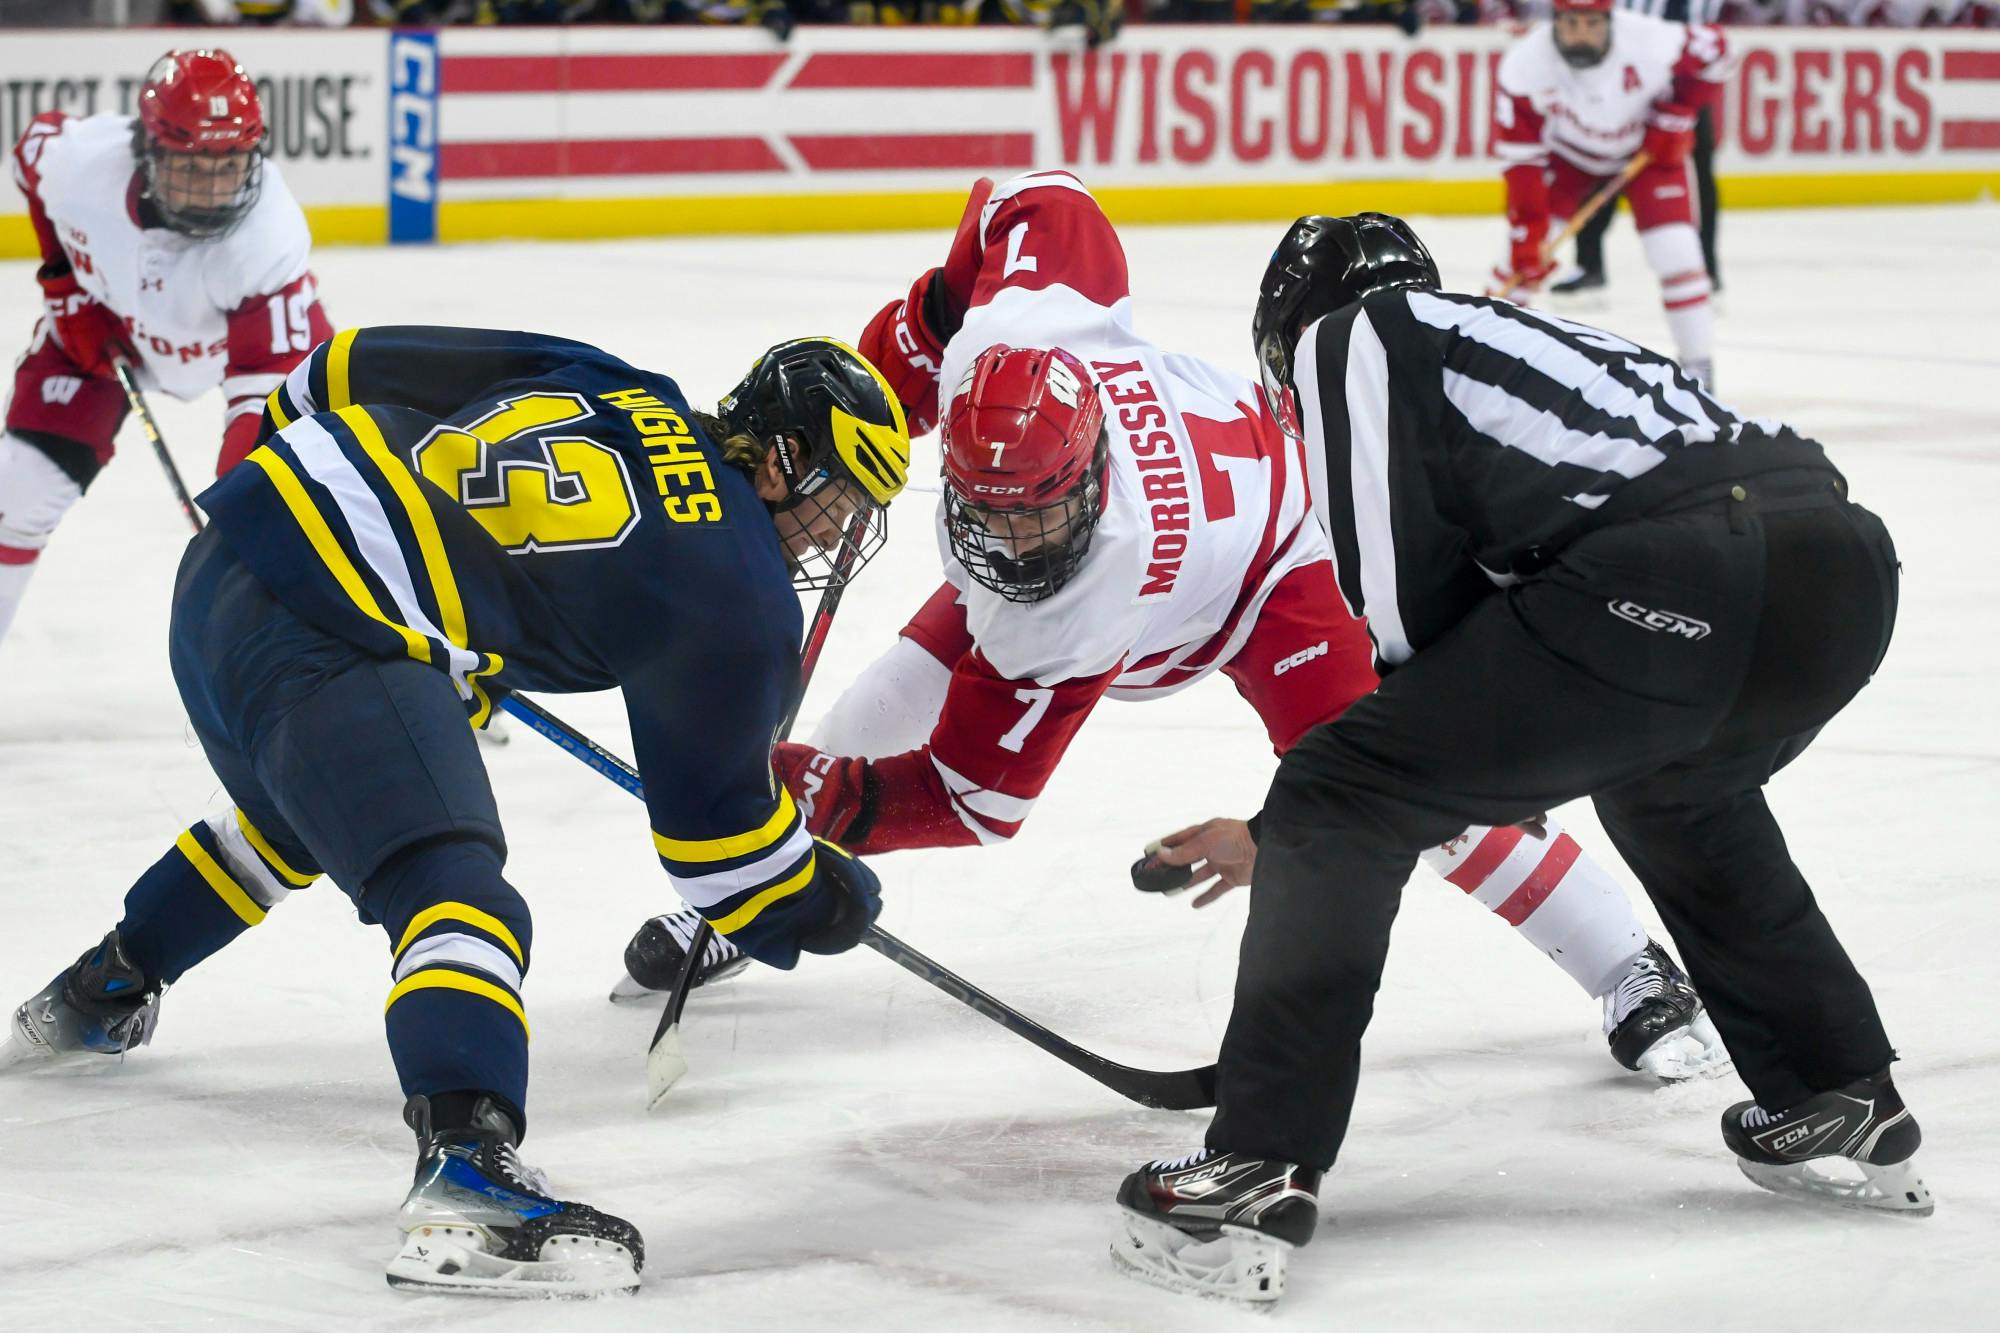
x=1152 y=875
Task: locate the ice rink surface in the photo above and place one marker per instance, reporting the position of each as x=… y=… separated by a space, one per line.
x=852 y=1150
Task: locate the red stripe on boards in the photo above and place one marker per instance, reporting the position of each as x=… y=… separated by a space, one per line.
x=878 y=69
x=879 y=152
x=605 y=73
x=1972 y=64
x=1963 y=134
x=604 y=157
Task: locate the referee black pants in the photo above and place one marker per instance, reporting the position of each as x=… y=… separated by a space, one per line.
x=1665 y=666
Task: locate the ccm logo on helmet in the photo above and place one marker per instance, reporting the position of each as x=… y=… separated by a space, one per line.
x=999 y=490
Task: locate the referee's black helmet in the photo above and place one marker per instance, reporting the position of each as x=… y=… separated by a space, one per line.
x=1322 y=265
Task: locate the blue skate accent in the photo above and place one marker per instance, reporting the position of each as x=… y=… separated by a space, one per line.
x=462 y=1173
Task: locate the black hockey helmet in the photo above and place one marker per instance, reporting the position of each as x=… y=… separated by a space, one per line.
x=1322 y=265
x=837 y=429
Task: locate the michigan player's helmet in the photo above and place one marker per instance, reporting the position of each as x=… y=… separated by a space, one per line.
x=1585 y=40
x=200 y=141
x=1322 y=265
x=842 y=446
x=1024 y=465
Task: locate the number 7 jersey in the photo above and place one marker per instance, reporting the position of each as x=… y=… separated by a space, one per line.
x=520 y=511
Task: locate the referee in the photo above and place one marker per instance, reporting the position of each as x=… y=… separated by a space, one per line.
x=1583 y=577
x=1590 y=240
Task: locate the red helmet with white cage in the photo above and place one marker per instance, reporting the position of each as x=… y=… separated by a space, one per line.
x=200 y=141
x=1024 y=462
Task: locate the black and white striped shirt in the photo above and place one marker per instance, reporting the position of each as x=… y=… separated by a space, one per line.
x=1456 y=442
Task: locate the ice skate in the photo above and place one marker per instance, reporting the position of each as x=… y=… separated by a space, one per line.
x=1656 y=1025
x=1216 y=1224
x=653 y=958
x=100 y=1005
x=1579 y=291
x=479 y=1223
x=1863 y=1125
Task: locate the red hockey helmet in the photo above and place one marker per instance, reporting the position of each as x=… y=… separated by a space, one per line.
x=200 y=141
x=1024 y=465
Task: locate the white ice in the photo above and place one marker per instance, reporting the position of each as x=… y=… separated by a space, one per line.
x=852 y=1149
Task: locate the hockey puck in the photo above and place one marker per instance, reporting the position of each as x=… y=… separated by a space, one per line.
x=1152 y=875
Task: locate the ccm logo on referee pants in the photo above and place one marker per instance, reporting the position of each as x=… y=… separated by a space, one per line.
x=1670 y=621
x=1299 y=658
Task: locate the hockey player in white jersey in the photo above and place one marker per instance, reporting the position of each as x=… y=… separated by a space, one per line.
x=1574 y=101
x=1120 y=521
x=167 y=242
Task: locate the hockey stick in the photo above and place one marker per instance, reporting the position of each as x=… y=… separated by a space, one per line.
x=1170 y=1090
x=123 y=370
x=1610 y=191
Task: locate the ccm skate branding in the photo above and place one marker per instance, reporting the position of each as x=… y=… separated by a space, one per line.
x=1687 y=627
x=1162 y=473
x=1300 y=658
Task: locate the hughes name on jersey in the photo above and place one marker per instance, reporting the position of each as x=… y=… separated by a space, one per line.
x=520 y=511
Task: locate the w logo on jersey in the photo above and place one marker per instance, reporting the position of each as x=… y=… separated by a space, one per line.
x=1631 y=79
x=61 y=389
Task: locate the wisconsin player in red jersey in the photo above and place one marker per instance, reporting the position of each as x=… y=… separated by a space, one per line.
x=1120 y=521
x=1574 y=100
x=170 y=243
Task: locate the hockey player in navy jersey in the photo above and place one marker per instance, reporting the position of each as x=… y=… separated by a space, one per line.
x=436 y=517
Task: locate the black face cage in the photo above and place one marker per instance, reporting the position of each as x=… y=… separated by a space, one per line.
x=1041 y=571
x=819 y=566
x=170 y=173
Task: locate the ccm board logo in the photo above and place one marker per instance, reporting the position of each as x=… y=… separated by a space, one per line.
x=413 y=85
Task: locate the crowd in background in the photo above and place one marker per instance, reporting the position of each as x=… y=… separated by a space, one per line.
x=1098 y=19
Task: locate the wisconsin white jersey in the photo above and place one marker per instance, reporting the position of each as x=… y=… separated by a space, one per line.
x=1206 y=505
x=176 y=295
x=1596 y=117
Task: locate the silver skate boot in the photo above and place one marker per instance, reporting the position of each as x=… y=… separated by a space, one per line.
x=479 y=1222
x=100 y=1005
x=1655 y=1023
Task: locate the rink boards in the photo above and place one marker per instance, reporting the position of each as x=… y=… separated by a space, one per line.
x=468 y=134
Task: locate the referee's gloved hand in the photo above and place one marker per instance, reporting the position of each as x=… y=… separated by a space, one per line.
x=856 y=897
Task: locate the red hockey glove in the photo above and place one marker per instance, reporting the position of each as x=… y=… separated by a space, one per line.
x=900 y=343
x=831 y=791
x=1669 y=135
x=88 y=332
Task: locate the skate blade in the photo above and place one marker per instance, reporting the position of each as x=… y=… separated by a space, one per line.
x=1240 y=1265
x=1880 y=1189
x=629 y=991
x=436 y=1259
x=1695 y=1051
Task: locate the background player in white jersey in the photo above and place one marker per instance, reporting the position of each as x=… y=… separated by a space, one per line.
x=169 y=242
x=1575 y=99
x=1122 y=521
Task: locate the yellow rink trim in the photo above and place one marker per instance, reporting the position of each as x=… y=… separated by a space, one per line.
x=438 y=979
x=698 y=215
x=218 y=879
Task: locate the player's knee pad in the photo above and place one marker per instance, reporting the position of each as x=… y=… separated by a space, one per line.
x=447 y=906
x=36 y=490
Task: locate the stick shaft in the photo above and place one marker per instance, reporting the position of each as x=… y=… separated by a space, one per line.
x=1595 y=204
x=137 y=401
